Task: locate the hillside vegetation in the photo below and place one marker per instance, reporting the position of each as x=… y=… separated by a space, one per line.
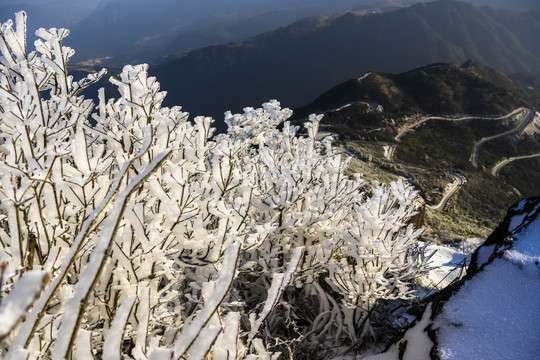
x=369 y=112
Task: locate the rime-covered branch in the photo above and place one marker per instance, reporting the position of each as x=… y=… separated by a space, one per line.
x=164 y=240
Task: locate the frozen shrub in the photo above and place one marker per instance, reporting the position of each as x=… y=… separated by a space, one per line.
x=128 y=231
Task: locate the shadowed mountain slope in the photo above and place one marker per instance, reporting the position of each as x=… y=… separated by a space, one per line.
x=142 y=30
x=296 y=63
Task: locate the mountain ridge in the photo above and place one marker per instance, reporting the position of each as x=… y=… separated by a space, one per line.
x=282 y=64
x=439 y=88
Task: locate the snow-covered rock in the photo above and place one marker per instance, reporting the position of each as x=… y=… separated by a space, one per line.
x=494 y=311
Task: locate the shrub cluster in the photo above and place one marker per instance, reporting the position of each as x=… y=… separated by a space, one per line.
x=127 y=231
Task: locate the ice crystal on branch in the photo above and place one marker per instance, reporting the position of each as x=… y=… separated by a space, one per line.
x=162 y=240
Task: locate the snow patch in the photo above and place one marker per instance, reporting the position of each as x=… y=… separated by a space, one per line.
x=496 y=315
x=520 y=206
x=516 y=221
x=418 y=343
x=528 y=240
x=448 y=263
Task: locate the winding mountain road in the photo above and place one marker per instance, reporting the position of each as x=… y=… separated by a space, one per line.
x=406 y=128
x=495 y=170
x=527 y=113
x=529 y=116
x=451 y=189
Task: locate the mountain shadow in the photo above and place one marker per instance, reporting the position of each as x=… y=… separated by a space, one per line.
x=297 y=63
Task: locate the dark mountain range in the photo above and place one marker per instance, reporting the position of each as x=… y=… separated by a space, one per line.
x=296 y=63
x=135 y=31
x=434 y=89
x=240 y=29
x=142 y=30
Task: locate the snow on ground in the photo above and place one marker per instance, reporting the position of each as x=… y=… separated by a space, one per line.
x=496 y=315
x=418 y=343
x=448 y=263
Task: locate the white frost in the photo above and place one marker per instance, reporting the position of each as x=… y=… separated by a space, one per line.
x=113 y=340
x=224 y=281
x=23 y=295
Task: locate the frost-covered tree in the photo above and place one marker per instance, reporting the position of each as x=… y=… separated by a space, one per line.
x=127 y=231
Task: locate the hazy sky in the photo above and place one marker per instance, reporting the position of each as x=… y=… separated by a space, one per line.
x=15 y=2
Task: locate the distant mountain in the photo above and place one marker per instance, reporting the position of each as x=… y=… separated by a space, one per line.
x=517 y=5
x=141 y=30
x=234 y=29
x=47 y=14
x=434 y=89
x=135 y=31
x=296 y=63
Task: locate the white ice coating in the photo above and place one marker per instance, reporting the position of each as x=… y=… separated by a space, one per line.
x=91 y=271
x=223 y=284
x=113 y=341
x=23 y=295
x=279 y=283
